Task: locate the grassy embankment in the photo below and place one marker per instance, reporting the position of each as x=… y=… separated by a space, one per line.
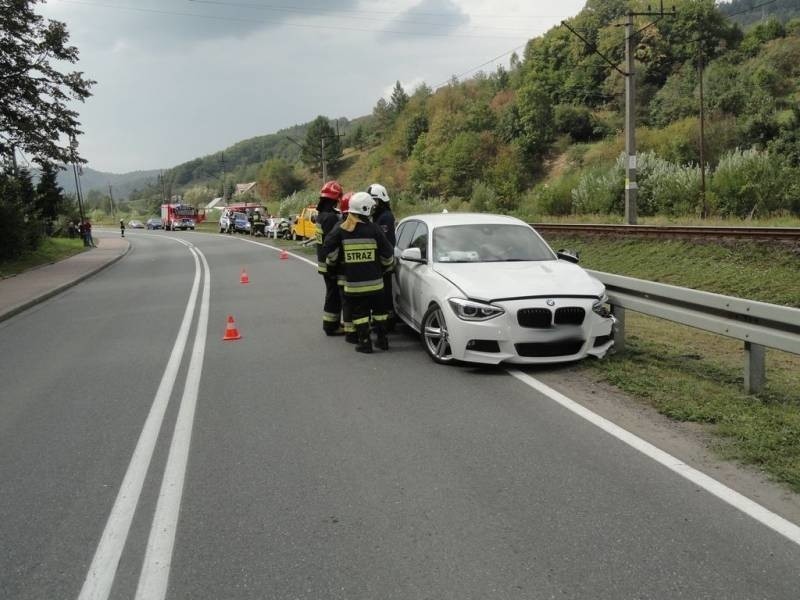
x=51 y=250
x=690 y=375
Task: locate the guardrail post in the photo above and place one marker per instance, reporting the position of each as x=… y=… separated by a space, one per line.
x=754 y=375
x=619 y=328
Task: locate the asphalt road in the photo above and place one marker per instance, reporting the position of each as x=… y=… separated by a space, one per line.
x=297 y=468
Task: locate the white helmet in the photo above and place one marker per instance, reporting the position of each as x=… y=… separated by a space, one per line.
x=377 y=191
x=361 y=204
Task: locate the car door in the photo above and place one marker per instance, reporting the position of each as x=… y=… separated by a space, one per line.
x=403 y=236
x=411 y=278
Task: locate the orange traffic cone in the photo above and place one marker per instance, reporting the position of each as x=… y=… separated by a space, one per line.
x=284 y=254
x=231 y=333
x=244 y=277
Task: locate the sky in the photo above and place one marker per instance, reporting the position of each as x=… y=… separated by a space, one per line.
x=180 y=79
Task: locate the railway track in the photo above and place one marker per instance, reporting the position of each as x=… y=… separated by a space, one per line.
x=788 y=235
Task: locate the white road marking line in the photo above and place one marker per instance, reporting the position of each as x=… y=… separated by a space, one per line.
x=103 y=569
x=752 y=509
x=292 y=254
x=154 y=578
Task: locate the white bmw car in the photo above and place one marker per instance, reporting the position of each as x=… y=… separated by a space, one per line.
x=488 y=289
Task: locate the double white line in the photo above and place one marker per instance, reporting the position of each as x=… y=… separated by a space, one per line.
x=154 y=576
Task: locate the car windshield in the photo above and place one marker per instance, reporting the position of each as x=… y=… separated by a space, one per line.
x=496 y=242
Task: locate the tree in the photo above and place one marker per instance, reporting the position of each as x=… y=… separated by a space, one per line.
x=277 y=179
x=35 y=96
x=320 y=132
x=399 y=98
x=383 y=115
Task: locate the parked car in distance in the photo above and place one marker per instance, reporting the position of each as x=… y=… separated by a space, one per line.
x=241 y=224
x=154 y=223
x=488 y=289
x=134 y=224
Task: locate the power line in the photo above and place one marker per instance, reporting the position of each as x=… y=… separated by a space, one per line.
x=337 y=28
x=314 y=11
x=488 y=62
x=752 y=8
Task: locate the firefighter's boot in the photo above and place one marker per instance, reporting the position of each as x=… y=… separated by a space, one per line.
x=351 y=337
x=382 y=341
x=364 y=340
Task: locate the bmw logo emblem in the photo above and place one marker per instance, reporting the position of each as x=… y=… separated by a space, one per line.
x=551 y=302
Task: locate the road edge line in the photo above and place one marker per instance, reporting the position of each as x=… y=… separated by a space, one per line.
x=728 y=495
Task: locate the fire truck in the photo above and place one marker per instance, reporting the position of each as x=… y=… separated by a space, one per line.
x=180 y=216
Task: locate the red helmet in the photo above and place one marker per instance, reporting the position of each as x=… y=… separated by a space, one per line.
x=332 y=190
x=344 y=203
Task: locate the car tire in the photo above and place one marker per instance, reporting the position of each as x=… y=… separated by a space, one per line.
x=434 y=336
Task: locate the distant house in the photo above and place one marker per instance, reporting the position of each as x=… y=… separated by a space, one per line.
x=245 y=188
x=216 y=204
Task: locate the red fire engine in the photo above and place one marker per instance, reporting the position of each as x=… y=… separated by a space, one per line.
x=180 y=216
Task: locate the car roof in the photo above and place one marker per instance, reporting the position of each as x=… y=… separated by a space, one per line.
x=442 y=219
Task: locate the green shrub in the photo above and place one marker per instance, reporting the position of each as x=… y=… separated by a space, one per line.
x=484 y=197
x=750 y=182
x=294 y=204
x=600 y=190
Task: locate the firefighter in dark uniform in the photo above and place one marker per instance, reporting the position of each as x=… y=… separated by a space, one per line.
x=384 y=218
x=363 y=253
x=327 y=218
x=350 y=335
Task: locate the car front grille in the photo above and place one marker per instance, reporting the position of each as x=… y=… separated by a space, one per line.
x=570 y=315
x=541 y=318
x=545 y=349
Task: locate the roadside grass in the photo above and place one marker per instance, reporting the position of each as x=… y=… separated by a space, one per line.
x=51 y=250
x=691 y=375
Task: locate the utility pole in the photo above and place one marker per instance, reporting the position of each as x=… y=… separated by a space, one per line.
x=78 y=191
x=111 y=200
x=222 y=162
x=702 y=140
x=324 y=162
x=631 y=186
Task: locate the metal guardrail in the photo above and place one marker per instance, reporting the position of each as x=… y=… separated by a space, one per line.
x=758 y=324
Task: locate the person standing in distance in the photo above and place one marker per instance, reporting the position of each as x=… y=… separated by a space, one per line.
x=327 y=218
x=384 y=219
x=121 y=228
x=365 y=254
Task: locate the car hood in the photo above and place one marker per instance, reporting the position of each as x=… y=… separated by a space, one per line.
x=496 y=280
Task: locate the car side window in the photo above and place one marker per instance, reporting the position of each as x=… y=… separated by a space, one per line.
x=420 y=240
x=404 y=233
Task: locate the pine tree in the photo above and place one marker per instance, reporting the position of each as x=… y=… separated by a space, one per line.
x=399 y=98
x=49 y=195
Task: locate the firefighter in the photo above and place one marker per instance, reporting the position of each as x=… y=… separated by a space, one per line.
x=361 y=250
x=384 y=218
x=327 y=218
x=350 y=335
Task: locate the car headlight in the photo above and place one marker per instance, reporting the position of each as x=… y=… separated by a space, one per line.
x=469 y=310
x=602 y=308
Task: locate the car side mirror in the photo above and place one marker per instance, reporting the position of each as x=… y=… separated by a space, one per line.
x=572 y=256
x=412 y=255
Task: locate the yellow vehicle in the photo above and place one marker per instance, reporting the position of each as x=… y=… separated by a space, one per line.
x=304 y=225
